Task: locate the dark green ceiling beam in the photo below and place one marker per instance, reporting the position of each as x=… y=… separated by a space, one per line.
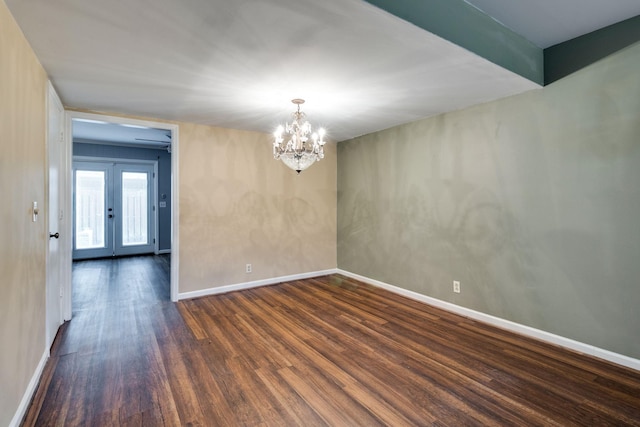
x=565 y=58
x=472 y=29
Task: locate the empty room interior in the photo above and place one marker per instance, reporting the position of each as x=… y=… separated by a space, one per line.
x=347 y=212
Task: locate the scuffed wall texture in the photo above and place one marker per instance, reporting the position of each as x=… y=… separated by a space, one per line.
x=532 y=202
x=238 y=205
x=22 y=242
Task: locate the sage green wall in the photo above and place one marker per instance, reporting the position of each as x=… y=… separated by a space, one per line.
x=532 y=202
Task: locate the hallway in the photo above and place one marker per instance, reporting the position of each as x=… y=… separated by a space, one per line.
x=111 y=282
x=103 y=367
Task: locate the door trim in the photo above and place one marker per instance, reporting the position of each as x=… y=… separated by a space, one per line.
x=175 y=194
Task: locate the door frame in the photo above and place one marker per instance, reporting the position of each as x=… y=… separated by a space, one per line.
x=154 y=189
x=175 y=196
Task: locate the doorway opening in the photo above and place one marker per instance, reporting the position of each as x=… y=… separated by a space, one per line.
x=124 y=191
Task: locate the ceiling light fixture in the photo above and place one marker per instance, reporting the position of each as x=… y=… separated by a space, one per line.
x=292 y=144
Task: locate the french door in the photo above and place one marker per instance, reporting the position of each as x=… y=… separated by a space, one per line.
x=114 y=212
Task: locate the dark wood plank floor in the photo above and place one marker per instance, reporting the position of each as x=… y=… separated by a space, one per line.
x=325 y=351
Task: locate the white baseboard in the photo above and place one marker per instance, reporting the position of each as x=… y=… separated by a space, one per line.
x=254 y=284
x=31 y=389
x=578 y=346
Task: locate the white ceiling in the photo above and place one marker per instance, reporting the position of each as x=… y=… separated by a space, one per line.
x=237 y=64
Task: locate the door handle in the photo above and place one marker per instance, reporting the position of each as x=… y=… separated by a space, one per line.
x=110 y=215
x=55 y=235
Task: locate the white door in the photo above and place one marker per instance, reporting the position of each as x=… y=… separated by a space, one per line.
x=92 y=210
x=55 y=134
x=133 y=202
x=114 y=212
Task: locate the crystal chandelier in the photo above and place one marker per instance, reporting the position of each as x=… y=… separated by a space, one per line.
x=292 y=144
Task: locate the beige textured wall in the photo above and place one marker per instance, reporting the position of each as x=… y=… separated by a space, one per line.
x=239 y=206
x=532 y=202
x=22 y=242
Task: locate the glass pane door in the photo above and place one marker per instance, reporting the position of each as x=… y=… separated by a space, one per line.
x=135 y=208
x=114 y=211
x=92 y=225
x=90 y=195
x=135 y=227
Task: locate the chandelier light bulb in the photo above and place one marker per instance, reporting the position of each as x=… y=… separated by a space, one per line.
x=291 y=142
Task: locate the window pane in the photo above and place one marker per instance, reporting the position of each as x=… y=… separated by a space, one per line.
x=90 y=227
x=134 y=208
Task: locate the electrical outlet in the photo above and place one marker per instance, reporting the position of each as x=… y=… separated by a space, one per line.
x=456 y=286
x=248 y=269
